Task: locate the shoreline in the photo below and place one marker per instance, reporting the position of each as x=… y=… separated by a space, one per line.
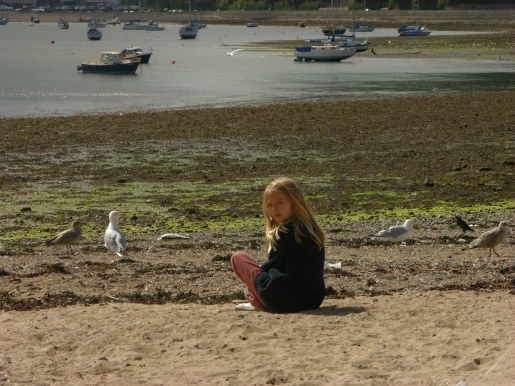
x=451 y=20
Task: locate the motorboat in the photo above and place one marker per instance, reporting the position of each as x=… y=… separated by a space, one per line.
x=134 y=25
x=196 y=24
x=63 y=24
x=330 y=52
x=136 y=52
x=96 y=24
x=109 y=63
x=361 y=27
x=113 y=21
x=94 y=34
x=154 y=26
x=329 y=30
x=412 y=29
x=35 y=19
x=252 y=24
x=4 y=21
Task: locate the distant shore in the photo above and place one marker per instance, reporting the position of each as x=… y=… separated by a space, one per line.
x=452 y=20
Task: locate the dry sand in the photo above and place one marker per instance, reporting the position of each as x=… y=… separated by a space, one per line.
x=427 y=338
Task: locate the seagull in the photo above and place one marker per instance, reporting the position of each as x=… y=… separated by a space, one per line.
x=114 y=238
x=231 y=53
x=491 y=238
x=172 y=236
x=397 y=233
x=67 y=237
x=463 y=225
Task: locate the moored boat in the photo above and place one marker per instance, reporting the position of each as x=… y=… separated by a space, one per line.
x=35 y=19
x=136 y=52
x=412 y=29
x=94 y=34
x=63 y=24
x=96 y=24
x=361 y=27
x=109 y=63
x=154 y=26
x=4 y=21
x=188 y=32
x=252 y=24
x=324 y=53
x=134 y=25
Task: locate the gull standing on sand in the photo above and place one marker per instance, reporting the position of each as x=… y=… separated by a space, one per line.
x=463 y=225
x=114 y=239
x=67 y=237
x=397 y=233
x=491 y=238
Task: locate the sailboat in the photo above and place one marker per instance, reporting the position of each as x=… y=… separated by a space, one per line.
x=188 y=31
x=329 y=52
x=362 y=27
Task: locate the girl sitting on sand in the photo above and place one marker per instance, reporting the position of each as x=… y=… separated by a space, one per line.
x=292 y=279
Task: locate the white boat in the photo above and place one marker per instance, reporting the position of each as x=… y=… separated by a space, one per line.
x=113 y=21
x=360 y=46
x=63 y=24
x=134 y=25
x=330 y=52
x=94 y=34
x=154 y=26
x=109 y=63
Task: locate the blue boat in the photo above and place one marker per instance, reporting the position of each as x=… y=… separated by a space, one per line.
x=412 y=29
x=110 y=63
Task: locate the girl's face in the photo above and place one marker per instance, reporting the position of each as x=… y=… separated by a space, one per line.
x=279 y=206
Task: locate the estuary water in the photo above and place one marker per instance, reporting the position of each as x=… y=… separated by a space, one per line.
x=39 y=77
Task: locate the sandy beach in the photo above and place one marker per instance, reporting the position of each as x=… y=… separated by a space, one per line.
x=429 y=338
x=425 y=312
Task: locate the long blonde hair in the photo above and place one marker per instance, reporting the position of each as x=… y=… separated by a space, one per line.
x=302 y=215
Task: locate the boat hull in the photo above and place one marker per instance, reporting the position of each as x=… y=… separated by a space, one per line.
x=324 y=53
x=99 y=68
x=361 y=28
x=188 y=32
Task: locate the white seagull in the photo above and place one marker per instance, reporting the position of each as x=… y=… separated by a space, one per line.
x=114 y=239
x=397 y=233
x=230 y=53
x=491 y=238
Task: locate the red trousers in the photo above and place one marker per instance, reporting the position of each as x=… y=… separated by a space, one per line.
x=247 y=270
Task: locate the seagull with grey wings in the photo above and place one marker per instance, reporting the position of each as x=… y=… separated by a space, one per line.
x=114 y=238
x=397 y=233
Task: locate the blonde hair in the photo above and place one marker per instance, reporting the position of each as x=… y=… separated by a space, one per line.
x=302 y=215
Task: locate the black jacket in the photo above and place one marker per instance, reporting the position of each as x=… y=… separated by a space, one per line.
x=293 y=277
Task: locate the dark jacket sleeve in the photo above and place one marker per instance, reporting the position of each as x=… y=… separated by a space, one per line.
x=293 y=278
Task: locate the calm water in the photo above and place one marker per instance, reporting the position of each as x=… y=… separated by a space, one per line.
x=38 y=77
